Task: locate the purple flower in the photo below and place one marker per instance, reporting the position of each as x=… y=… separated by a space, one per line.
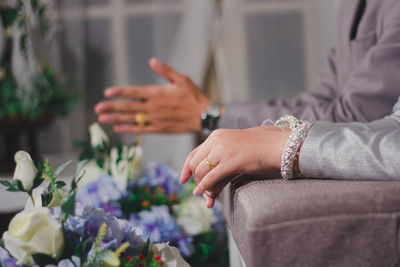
x=87 y=222
x=161 y=226
x=161 y=175
x=113 y=208
x=73 y=262
x=102 y=190
x=6 y=260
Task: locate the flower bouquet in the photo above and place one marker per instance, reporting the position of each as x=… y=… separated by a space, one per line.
x=55 y=230
x=152 y=199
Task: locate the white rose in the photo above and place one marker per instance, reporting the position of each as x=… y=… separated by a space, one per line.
x=25 y=171
x=169 y=255
x=127 y=167
x=97 y=135
x=90 y=173
x=194 y=216
x=34 y=231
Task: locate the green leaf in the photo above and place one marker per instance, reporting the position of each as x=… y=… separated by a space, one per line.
x=43 y=259
x=60 y=184
x=6 y=183
x=80 y=166
x=46 y=199
x=61 y=168
x=146 y=247
x=119 y=147
x=38 y=180
x=100 y=162
x=19 y=185
x=68 y=204
x=11 y=186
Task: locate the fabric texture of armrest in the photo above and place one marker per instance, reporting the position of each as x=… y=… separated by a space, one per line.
x=314 y=222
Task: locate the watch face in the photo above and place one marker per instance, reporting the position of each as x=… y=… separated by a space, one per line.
x=210 y=118
x=213 y=111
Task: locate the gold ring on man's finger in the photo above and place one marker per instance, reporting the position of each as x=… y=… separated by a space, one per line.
x=140 y=118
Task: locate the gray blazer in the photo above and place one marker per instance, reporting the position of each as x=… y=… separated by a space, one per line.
x=353 y=150
x=360 y=82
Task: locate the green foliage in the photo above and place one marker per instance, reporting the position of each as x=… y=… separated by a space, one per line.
x=51 y=95
x=38 y=180
x=68 y=204
x=79 y=167
x=14 y=186
x=43 y=259
x=8 y=16
x=46 y=199
x=143 y=198
x=206 y=251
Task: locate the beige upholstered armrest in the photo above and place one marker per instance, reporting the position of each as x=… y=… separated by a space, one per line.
x=314 y=222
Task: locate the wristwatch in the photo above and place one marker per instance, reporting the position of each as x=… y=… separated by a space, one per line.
x=210 y=118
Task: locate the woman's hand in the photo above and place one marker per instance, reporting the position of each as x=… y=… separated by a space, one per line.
x=172 y=108
x=229 y=152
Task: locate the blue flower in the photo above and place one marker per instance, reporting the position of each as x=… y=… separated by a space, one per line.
x=86 y=223
x=6 y=260
x=113 y=208
x=161 y=226
x=102 y=190
x=73 y=262
x=161 y=175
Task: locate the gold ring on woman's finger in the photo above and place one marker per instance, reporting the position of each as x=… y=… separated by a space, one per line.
x=209 y=164
x=140 y=118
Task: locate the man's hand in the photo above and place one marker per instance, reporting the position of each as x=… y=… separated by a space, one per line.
x=171 y=108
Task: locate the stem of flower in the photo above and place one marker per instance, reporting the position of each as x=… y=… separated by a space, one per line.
x=33 y=200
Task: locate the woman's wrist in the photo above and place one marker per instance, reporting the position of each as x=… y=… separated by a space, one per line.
x=291 y=153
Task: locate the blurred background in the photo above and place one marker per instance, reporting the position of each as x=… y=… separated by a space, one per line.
x=235 y=50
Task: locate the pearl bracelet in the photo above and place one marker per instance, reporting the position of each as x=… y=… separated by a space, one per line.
x=299 y=132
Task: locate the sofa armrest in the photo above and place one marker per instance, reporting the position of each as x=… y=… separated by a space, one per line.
x=314 y=222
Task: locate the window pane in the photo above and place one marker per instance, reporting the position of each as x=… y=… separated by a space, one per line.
x=71 y=3
x=149 y=36
x=99 y=64
x=151 y=1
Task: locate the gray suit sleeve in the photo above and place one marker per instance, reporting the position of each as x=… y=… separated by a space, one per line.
x=368 y=94
x=367 y=151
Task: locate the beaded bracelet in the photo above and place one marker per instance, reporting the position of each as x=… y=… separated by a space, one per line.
x=296 y=138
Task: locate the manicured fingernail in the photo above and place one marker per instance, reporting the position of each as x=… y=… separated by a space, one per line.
x=208 y=203
x=100 y=107
x=196 y=191
x=109 y=92
x=104 y=118
x=156 y=63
